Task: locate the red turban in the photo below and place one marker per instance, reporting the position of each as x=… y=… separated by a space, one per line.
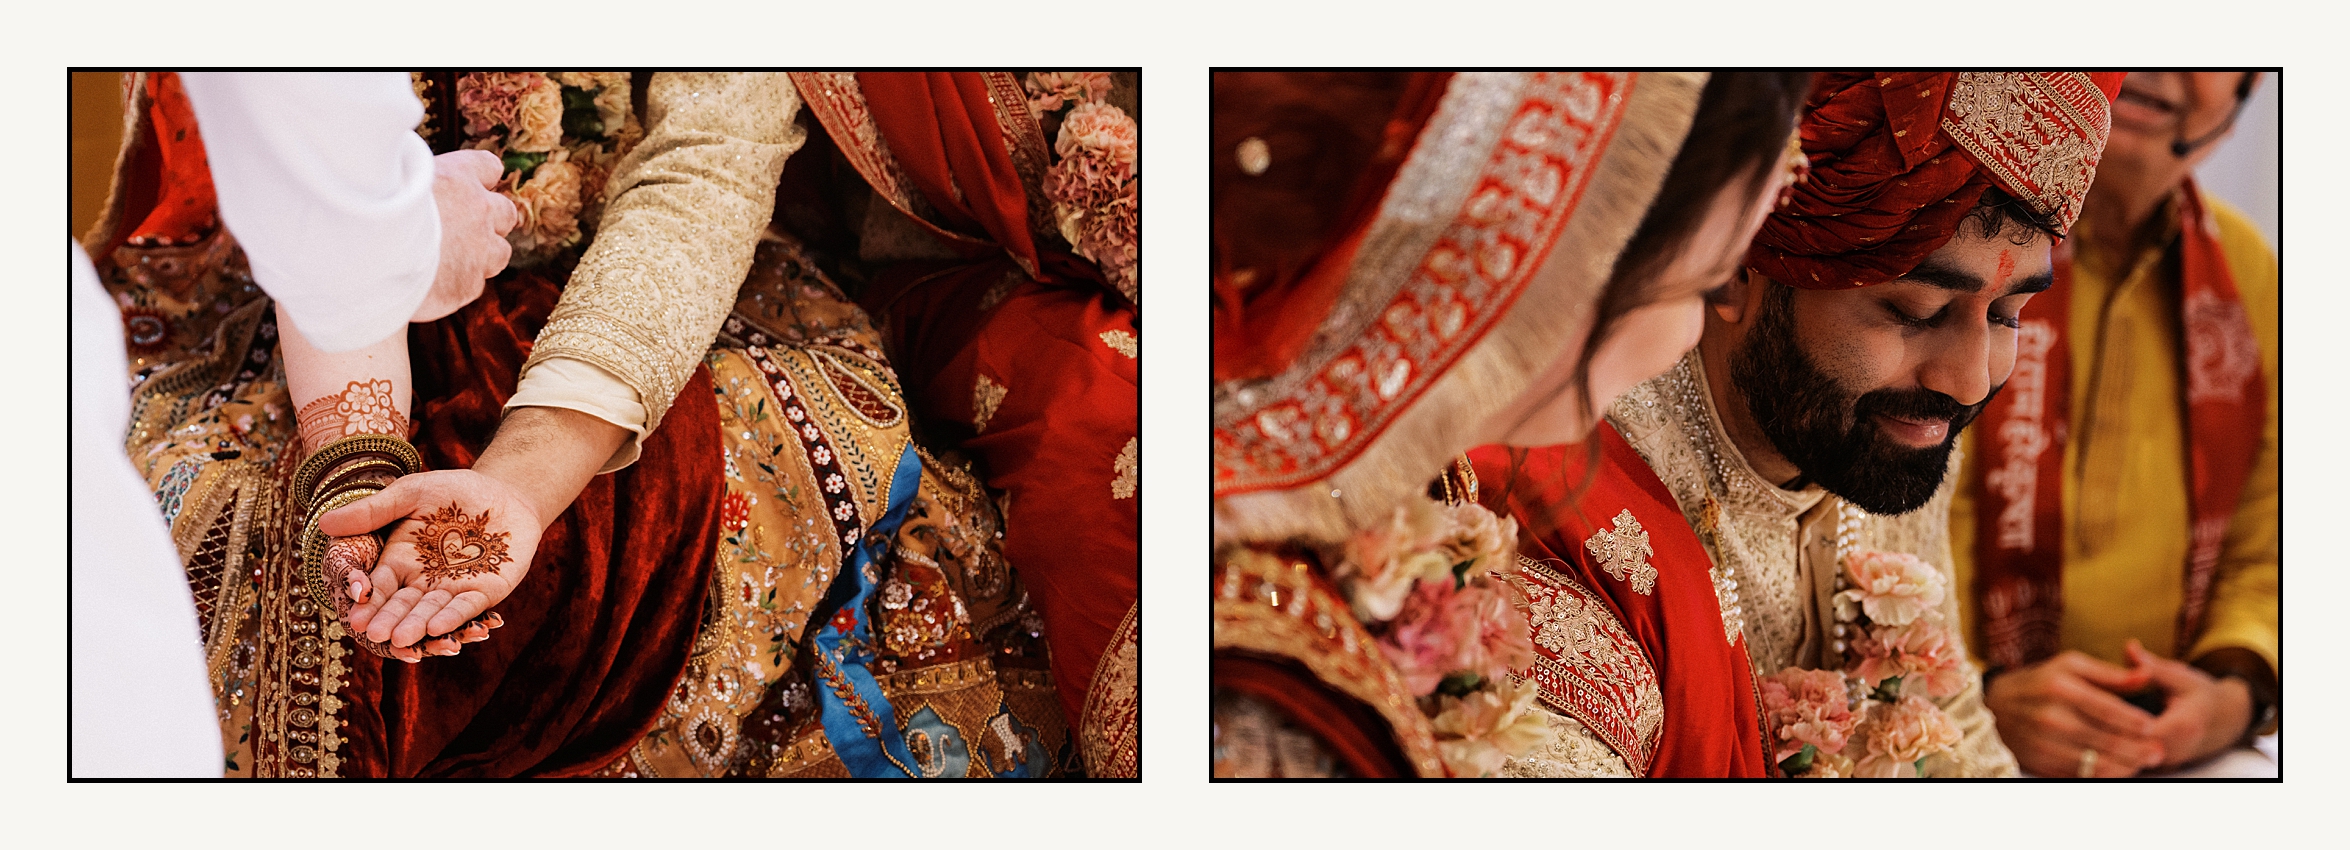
x=1897 y=159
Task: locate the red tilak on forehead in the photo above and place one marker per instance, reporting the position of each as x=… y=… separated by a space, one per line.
x=2006 y=270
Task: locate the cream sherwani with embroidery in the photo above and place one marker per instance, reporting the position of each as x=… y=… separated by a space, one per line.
x=1775 y=550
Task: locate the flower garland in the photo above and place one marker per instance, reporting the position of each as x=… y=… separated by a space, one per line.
x=1876 y=718
x=1096 y=182
x=560 y=135
x=1424 y=583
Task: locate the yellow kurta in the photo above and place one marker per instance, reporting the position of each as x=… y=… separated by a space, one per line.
x=2126 y=504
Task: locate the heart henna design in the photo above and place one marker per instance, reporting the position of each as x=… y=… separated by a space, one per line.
x=456 y=545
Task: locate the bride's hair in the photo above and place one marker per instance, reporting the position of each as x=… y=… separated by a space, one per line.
x=1738 y=137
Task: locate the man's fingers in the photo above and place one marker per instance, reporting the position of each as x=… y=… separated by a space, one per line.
x=500 y=252
x=2174 y=677
x=412 y=627
x=479 y=166
x=2103 y=674
x=2118 y=755
x=458 y=612
x=385 y=507
x=503 y=215
x=2103 y=710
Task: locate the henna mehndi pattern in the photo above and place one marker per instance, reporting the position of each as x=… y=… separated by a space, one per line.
x=453 y=545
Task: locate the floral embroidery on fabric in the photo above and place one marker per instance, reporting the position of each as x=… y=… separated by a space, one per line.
x=2039 y=132
x=1588 y=666
x=986 y=396
x=1113 y=705
x=1129 y=469
x=2224 y=357
x=1123 y=343
x=1531 y=175
x=1624 y=553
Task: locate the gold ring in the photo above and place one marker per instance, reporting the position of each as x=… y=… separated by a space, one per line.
x=2088 y=764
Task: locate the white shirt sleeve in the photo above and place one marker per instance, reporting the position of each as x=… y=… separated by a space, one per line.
x=142 y=706
x=324 y=182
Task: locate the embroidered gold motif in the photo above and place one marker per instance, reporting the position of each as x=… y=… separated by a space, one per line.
x=1267 y=607
x=1123 y=343
x=986 y=395
x=1624 y=553
x=1106 y=733
x=2041 y=133
x=1129 y=468
x=1588 y=666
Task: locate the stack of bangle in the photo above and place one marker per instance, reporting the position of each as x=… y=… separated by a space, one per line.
x=345 y=471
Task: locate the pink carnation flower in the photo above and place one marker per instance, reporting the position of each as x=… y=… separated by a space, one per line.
x=1441 y=630
x=1428 y=636
x=1807 y=707
x=491 y=99
x=1893 y=588
x=1380 y=563
x=1897 y=735
x=1099 y=129
x=1925 y=653
x=1477 y=734
x=1049 y=91
x=549 y=204
x=1500 y=640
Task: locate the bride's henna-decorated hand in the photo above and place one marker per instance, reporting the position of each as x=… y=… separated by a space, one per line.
x=346 y=566
x=536 y=465
x=462 y=543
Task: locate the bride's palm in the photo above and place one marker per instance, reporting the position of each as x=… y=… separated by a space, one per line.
x=462 y=543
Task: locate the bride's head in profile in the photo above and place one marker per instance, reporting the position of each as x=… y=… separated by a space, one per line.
x=1406 y=265
x=1726 y=178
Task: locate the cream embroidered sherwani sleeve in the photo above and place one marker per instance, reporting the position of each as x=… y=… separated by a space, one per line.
x=676 y=239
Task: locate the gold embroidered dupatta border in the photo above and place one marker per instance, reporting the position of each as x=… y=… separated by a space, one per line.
x=1107 y=731
x=1270 y=608
x=1393 y=416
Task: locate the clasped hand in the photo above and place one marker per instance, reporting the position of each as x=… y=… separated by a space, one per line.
x=462 y=542
x=2051 y=713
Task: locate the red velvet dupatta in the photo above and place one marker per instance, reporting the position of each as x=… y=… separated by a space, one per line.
x=1628 y=629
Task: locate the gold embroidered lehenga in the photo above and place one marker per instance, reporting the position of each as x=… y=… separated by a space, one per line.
x=817 y=451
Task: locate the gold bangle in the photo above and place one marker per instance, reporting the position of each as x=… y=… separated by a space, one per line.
x=306 y=476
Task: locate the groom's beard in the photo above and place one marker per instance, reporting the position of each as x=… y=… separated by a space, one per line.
x=1827 y=432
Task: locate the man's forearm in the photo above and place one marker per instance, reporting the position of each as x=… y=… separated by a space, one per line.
x=549 y=453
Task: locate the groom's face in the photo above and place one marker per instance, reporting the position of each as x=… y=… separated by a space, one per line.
x=1865 y=390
